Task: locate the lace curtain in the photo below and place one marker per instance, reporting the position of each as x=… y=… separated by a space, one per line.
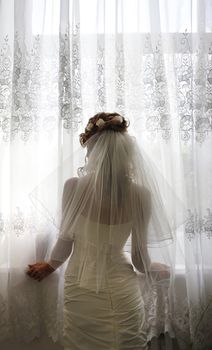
x=60 y=63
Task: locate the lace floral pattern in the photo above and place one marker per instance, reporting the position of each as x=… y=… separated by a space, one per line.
x=183 y=77
x=194 y=102
x=197 y=225
x=101 y=92
x=19 y=223
x=30 y=82
x=175 y=317
x=156 y=106
x=175 y=87
x=119 y=75
x=70 y=79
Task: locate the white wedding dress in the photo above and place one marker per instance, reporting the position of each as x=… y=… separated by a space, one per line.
x=113 y=318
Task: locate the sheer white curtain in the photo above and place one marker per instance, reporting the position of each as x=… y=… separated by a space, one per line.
x=60 y=63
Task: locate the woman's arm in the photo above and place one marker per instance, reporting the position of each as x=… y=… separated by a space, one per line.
x=139 y=252
x=61 y=251
x=63 y=246
x=139 y=256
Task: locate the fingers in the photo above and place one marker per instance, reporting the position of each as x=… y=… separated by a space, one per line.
x=37 y=274
x=39 y=270
x=34 y=272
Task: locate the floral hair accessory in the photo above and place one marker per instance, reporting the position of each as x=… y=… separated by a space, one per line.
x=117 y=118
x=103 y=121
x=100 y=122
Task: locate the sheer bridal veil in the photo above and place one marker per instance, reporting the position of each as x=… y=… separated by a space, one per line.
x=117 y=185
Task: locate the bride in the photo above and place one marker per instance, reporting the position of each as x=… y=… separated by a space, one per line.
x=113 y=198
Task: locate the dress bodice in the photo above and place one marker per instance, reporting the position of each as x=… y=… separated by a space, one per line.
x=99 y=246
x=99 y=234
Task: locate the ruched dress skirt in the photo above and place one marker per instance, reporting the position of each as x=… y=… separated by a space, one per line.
x=112 y=319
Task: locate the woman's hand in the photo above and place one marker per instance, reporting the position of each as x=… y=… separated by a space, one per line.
x=39 y=270
x=160 y=271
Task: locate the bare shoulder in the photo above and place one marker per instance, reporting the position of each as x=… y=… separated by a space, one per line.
x=72 y=182
x=70 y=186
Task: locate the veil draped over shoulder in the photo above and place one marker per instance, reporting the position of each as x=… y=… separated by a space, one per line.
x=118 y=185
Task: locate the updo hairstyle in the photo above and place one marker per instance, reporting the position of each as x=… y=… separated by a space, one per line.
x=103 y=121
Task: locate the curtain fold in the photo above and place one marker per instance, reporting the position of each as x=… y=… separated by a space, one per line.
x=60 y=63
